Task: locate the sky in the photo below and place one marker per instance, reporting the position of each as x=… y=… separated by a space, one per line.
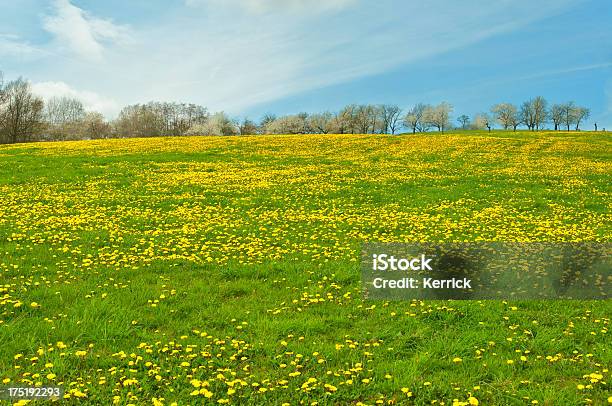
x=251 y=57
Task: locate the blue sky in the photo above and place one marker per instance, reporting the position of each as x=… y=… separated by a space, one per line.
x=249 y=57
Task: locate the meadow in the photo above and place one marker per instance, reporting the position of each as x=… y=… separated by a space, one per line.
x=225 y=270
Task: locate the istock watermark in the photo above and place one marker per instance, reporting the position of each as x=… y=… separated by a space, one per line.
x=513 y=271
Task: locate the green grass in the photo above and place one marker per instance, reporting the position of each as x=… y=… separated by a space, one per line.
x=256 y=230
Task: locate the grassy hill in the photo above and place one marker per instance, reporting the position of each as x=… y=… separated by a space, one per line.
x=225 y=269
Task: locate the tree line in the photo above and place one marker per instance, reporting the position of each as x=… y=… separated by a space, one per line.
x=26 y=117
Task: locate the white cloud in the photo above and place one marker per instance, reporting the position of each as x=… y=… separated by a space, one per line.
x=267 y=6
x=91 y=100
x=572 y=69
x=13 y=46
x=82 y=33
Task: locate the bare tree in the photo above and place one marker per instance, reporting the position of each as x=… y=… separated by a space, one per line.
x=94 y=126
x=366 y=119
x=139 y=121
x=567 y=111
x=2 y=92
x=569 y=115
x=376 y=120
x=540 y=106
x=482 y=121
x=322 y=123
x=581 y=113
x=534 y=113
x=556 y=115
x=248 y=127
x=363 y=118
x=464 y=121
x=527 y=116
x=265 y=121
x=306 y=129
x=21 y=113
x=347 y=119
x=390 y=117
x=414 y=118
x=64 y=118
x=506 y=115
x=63 y=110
x=343 y=121
x=438 y=116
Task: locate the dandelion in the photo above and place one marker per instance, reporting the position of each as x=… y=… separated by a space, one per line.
x=330 y=388
x=407 y=392
x=206 y=393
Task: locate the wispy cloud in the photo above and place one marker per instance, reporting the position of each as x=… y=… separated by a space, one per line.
x=12 y=46
x=270 y=6
x=568 y=70
x=83 y=34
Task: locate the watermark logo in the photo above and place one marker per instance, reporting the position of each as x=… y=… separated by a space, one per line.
x=513 y=271
x=385 y=262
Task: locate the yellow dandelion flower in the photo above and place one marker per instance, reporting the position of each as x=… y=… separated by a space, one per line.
x=330 y=388
x=206 y=393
